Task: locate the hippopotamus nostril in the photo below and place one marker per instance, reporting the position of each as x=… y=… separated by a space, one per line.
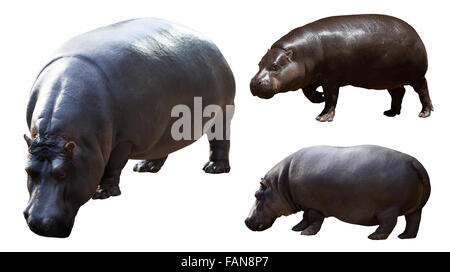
x=248 y=223
x=259 y=83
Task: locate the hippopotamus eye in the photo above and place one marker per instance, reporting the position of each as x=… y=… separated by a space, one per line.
x=59 y=174
x=275 y=67
x=32 y=173
x=258 y=195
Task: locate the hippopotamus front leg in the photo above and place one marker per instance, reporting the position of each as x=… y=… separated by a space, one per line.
x=302 y=225
x=396 y=104
x=331 y=96
x=421 y=87
x=387 y=222
x=313 y=95
x=218 y=157
x=315 y=220
x=109 y=185
x=152 y=166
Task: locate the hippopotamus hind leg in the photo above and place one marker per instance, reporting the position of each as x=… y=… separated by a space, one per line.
x=218 y=157
x=219 y=149
x=387 y=222
x=421 y=87
x=315 y=220
x=152 y=166
x=396 y=104
x=412 y=225
x=109 y=185
x=331 y=96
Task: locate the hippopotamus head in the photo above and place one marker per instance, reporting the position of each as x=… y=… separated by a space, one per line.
x=278 y=72
x=57 y=185
x=270 y=204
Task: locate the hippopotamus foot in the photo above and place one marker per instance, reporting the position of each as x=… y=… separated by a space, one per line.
x=217 y=167
x=312 y=229
x=326 y=117
x=391 y=113
x=104 y=193
x=378 y=236
x=218 y=159
x=421 y=88
x=301 y=226
x=315 y=220
x=412 y=225
x=396 y=104
x=426 y=112
x=387 y=222
x=152 y=166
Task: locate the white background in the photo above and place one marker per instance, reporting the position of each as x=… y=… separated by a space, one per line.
x=183 y=209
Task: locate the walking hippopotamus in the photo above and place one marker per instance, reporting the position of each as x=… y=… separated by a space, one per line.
x=364 y=185
x=107 y=96
x=368 y=51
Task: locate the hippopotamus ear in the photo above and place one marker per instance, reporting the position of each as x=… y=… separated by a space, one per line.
x=69 y=146
x=289 y=54
x=263 y=184
x=27 y=139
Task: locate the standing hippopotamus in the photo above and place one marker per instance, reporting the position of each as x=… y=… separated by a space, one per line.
x=368 y=51
x=105 y=97
x=365 y=185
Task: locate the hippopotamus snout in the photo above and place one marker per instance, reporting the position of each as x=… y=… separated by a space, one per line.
x=257 y=220
x=262 y=87
x=49 y=226
x=250 y=224
x=254 y=225
x=48 y=215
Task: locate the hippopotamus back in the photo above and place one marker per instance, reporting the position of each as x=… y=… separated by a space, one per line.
x=148 y=65
x=370 y=51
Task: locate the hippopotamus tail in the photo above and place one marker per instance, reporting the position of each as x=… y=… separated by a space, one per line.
x=424 y=178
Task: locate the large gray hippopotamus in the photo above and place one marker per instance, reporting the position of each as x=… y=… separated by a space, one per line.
x=365 y=185
x=107 y=96
x=368 y=51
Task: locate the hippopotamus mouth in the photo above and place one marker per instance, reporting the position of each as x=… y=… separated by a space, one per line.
x=51 y=230
x=50 y=227
x=264 y=94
